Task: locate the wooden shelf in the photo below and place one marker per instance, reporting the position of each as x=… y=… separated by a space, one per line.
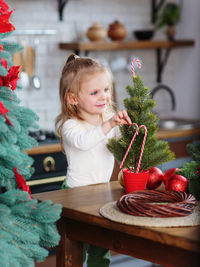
x=126 y=45
x=158 y=45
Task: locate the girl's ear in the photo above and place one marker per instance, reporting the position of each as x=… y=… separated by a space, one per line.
x=71 y=98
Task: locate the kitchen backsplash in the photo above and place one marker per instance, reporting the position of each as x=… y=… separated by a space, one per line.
x=180 y=73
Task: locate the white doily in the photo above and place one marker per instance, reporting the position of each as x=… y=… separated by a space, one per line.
x=111 y=212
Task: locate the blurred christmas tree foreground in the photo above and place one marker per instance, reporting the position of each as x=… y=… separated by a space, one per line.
x=26 y=226
x=139 y=106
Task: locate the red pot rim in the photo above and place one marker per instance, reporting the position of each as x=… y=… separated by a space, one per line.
x=128 y=171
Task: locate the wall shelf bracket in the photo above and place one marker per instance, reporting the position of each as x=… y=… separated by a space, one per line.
x=155 y=7
x=161 y=62
x=61 y=5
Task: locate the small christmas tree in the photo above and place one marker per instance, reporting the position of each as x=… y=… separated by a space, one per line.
x=26 y=226
x=139 y=106
x=191 y=170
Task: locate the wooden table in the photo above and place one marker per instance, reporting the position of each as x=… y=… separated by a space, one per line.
x=81 y=222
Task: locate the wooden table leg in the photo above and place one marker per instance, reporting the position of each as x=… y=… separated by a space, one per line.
x=74 y=253
x=61 y=248
x=69 y=253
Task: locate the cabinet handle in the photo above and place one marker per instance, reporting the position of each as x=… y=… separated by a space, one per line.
x=46 y=180
x=49 y=164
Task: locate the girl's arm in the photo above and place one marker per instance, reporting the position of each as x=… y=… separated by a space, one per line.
x=120 y=118
x=75 y=135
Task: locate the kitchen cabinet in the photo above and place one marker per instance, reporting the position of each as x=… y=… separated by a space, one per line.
x=50 y=168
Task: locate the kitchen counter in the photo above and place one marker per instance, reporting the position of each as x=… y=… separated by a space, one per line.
x=166 y=134
x=45 y=149
x=161 y=134
x=50 y=162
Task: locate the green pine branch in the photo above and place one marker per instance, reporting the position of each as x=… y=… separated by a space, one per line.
x=194 y=152
x=191 y=170
x=26 y=226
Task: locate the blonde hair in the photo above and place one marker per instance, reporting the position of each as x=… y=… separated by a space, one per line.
x=72 y=76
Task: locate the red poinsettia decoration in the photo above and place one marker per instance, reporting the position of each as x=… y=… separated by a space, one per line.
x=4 y=62
x=21 y=182
x=3 y=7
x=5 y=25
x=3 y=112
x=10 y=80
x=1 y=47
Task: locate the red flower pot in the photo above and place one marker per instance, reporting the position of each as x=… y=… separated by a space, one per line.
x=134 y=181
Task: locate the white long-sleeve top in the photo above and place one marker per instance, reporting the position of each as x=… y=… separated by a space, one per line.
x=89 y=160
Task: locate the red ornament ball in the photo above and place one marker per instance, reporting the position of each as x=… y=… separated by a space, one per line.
x=177 y=183
x=155 y=178
x=169 y=173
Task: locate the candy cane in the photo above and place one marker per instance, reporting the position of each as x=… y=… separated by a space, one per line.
x=142 y=149
x=132 y=65
x=136 y=132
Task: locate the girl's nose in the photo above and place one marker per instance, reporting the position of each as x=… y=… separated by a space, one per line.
x=103 y=95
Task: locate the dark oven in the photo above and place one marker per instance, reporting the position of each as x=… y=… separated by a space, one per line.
x=49 y=162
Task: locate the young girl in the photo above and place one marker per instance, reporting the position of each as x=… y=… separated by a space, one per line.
x=85 y=124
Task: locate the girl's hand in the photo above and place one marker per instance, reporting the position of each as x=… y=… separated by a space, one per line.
x=120 y=118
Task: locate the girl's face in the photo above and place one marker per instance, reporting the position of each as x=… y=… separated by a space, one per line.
x=95 y=94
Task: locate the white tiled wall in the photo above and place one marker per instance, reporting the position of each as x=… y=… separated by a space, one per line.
x=181 y=73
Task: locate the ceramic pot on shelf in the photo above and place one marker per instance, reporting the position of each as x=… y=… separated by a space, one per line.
x=117 y=31
x=96 y=32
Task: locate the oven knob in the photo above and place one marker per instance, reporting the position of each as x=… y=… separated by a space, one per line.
x=49 y=164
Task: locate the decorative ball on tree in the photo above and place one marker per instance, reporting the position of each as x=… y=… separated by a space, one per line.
x=139 y=106
x=26 y=226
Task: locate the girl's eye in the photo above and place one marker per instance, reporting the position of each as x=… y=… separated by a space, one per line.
x=94 y=93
